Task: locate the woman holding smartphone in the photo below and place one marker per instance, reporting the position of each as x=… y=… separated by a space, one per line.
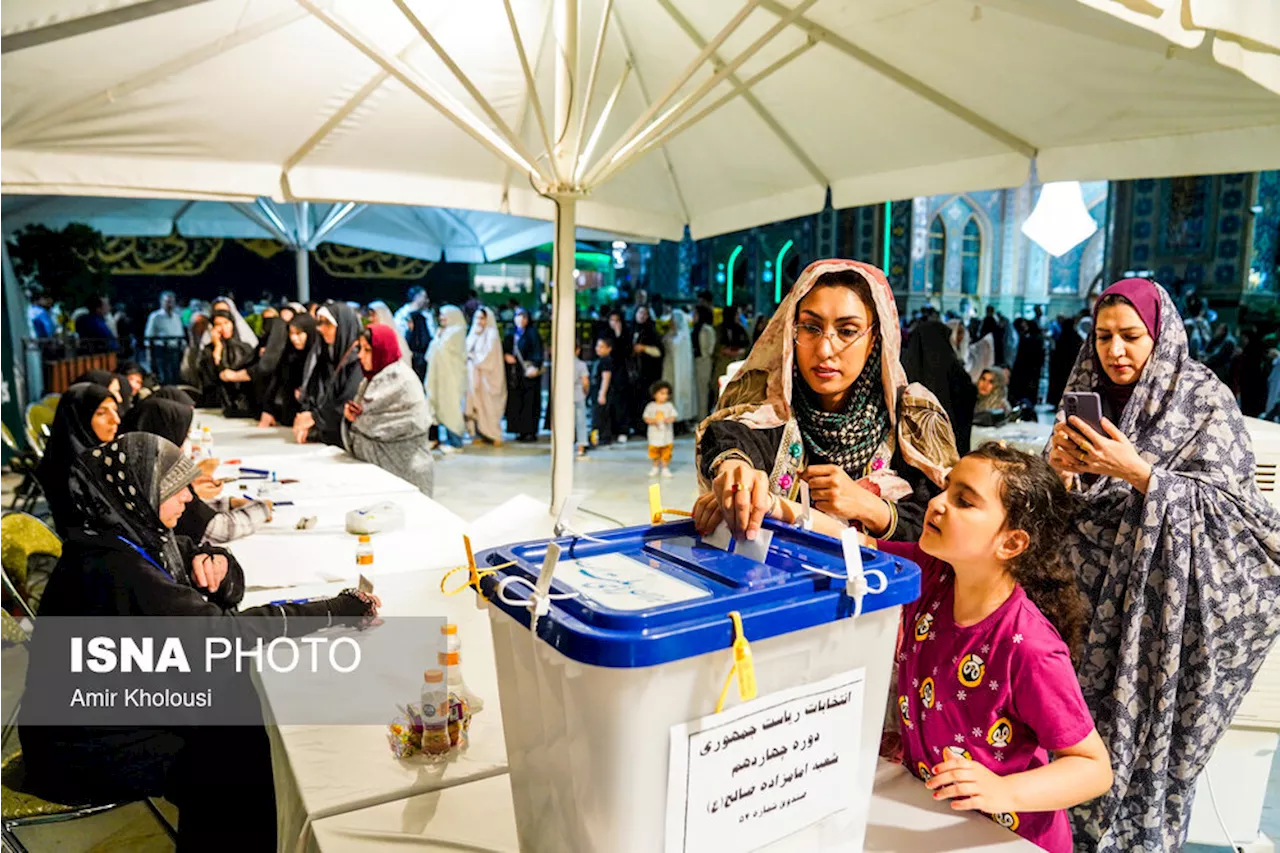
x=1178 y=553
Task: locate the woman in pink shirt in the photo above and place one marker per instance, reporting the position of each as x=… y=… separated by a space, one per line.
x=986 y=684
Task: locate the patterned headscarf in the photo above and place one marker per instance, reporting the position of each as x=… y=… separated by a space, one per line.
x=122 y=485
x=849 y=437
x=761 y=396
x=1183 y=586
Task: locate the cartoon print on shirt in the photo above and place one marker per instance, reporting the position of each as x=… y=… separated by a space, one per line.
x=1009 y=820
x=960 y=752
x=926 y=693
x=923 y=771
x=905 y=706
x=1001 y=733
x=971 y=670
x=923 y=625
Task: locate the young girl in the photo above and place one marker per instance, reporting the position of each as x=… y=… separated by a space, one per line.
x=986 y=685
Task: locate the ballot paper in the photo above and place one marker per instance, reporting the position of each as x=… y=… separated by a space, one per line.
x=766 y=769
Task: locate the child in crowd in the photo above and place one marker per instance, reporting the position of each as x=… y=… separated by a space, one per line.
x=660 y=415
x=581 y=387
x=986 y=683
x=601 y=392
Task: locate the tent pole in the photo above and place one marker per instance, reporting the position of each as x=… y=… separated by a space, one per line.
x=303 y=259
x=563 y=340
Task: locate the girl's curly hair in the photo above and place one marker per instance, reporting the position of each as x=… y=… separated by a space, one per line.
x=1036 y=501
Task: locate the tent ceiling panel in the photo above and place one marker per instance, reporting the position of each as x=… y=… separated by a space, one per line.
x=222 y=98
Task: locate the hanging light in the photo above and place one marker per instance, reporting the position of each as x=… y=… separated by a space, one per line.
x=1060 y=221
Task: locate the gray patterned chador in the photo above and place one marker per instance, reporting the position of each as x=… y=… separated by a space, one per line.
x=1179 y=555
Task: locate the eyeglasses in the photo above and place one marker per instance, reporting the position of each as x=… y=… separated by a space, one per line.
x=810 y=336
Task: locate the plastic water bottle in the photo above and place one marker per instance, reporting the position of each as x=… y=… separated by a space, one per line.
x=206 y=443
x=451 y=660
x=435 y=713
x=364 y=552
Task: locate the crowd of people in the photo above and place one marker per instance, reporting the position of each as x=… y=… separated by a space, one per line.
x=1089 y=621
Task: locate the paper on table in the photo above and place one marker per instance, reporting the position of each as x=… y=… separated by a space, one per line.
x=766 y=769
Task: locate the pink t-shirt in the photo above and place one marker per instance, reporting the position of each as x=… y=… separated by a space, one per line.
x=1001 y=692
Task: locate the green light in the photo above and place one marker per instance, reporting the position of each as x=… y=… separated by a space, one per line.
x=888 y=228
x=728 y=293
x=777 y=269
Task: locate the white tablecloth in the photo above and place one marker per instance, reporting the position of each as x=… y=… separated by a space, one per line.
x=280 y=555
x=235 y=436
x=327 y=770
x=480 y=817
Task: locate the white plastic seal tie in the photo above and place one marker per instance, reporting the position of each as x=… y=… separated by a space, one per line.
x=538 y=603
x=856 y=586
x=561 y=527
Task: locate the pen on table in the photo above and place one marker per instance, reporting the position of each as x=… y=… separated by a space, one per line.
x=261 y=471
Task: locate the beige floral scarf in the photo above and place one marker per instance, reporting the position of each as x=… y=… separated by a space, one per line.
x=759 y=396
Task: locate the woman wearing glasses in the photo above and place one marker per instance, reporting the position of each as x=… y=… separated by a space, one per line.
x=823 y=399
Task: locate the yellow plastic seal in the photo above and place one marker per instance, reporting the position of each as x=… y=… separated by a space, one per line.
x=656 y=511
x=743 y=665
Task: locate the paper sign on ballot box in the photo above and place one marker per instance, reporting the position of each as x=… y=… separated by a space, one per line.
x=758 y=772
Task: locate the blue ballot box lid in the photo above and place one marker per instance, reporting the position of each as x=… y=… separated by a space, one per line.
x=643 y=596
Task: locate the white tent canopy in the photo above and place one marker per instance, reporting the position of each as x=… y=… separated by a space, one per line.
x=426 y=233
x=878 y=99
x=636 y=116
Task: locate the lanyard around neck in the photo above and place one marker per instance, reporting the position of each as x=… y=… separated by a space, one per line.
x=147 y=557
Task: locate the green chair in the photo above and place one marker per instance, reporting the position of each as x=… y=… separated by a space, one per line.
x=50 y=401
x=23 y=537
x=39 y=422
x=23 y=462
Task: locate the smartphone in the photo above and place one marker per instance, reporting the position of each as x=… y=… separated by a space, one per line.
x=1085 y=405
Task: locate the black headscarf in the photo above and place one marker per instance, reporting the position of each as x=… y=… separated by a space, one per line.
x=930 y=359
x=126 y=394
x=332 y=374
x=97 y=377
x=170 y=392
x=275 y=337
x=122 y=485
x=71 y=434
x=171 y=420
x=168 y=419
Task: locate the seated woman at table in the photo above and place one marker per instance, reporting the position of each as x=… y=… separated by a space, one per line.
x=993 y=407
x=87 y=415
x=823 y=398
x=243 y=332
x=282 y=387
x=209 y=518
x=387 y=422
x=140 y=383
x=126 y=561
x=331 y=376
x=224 y=377
x=118 y=385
